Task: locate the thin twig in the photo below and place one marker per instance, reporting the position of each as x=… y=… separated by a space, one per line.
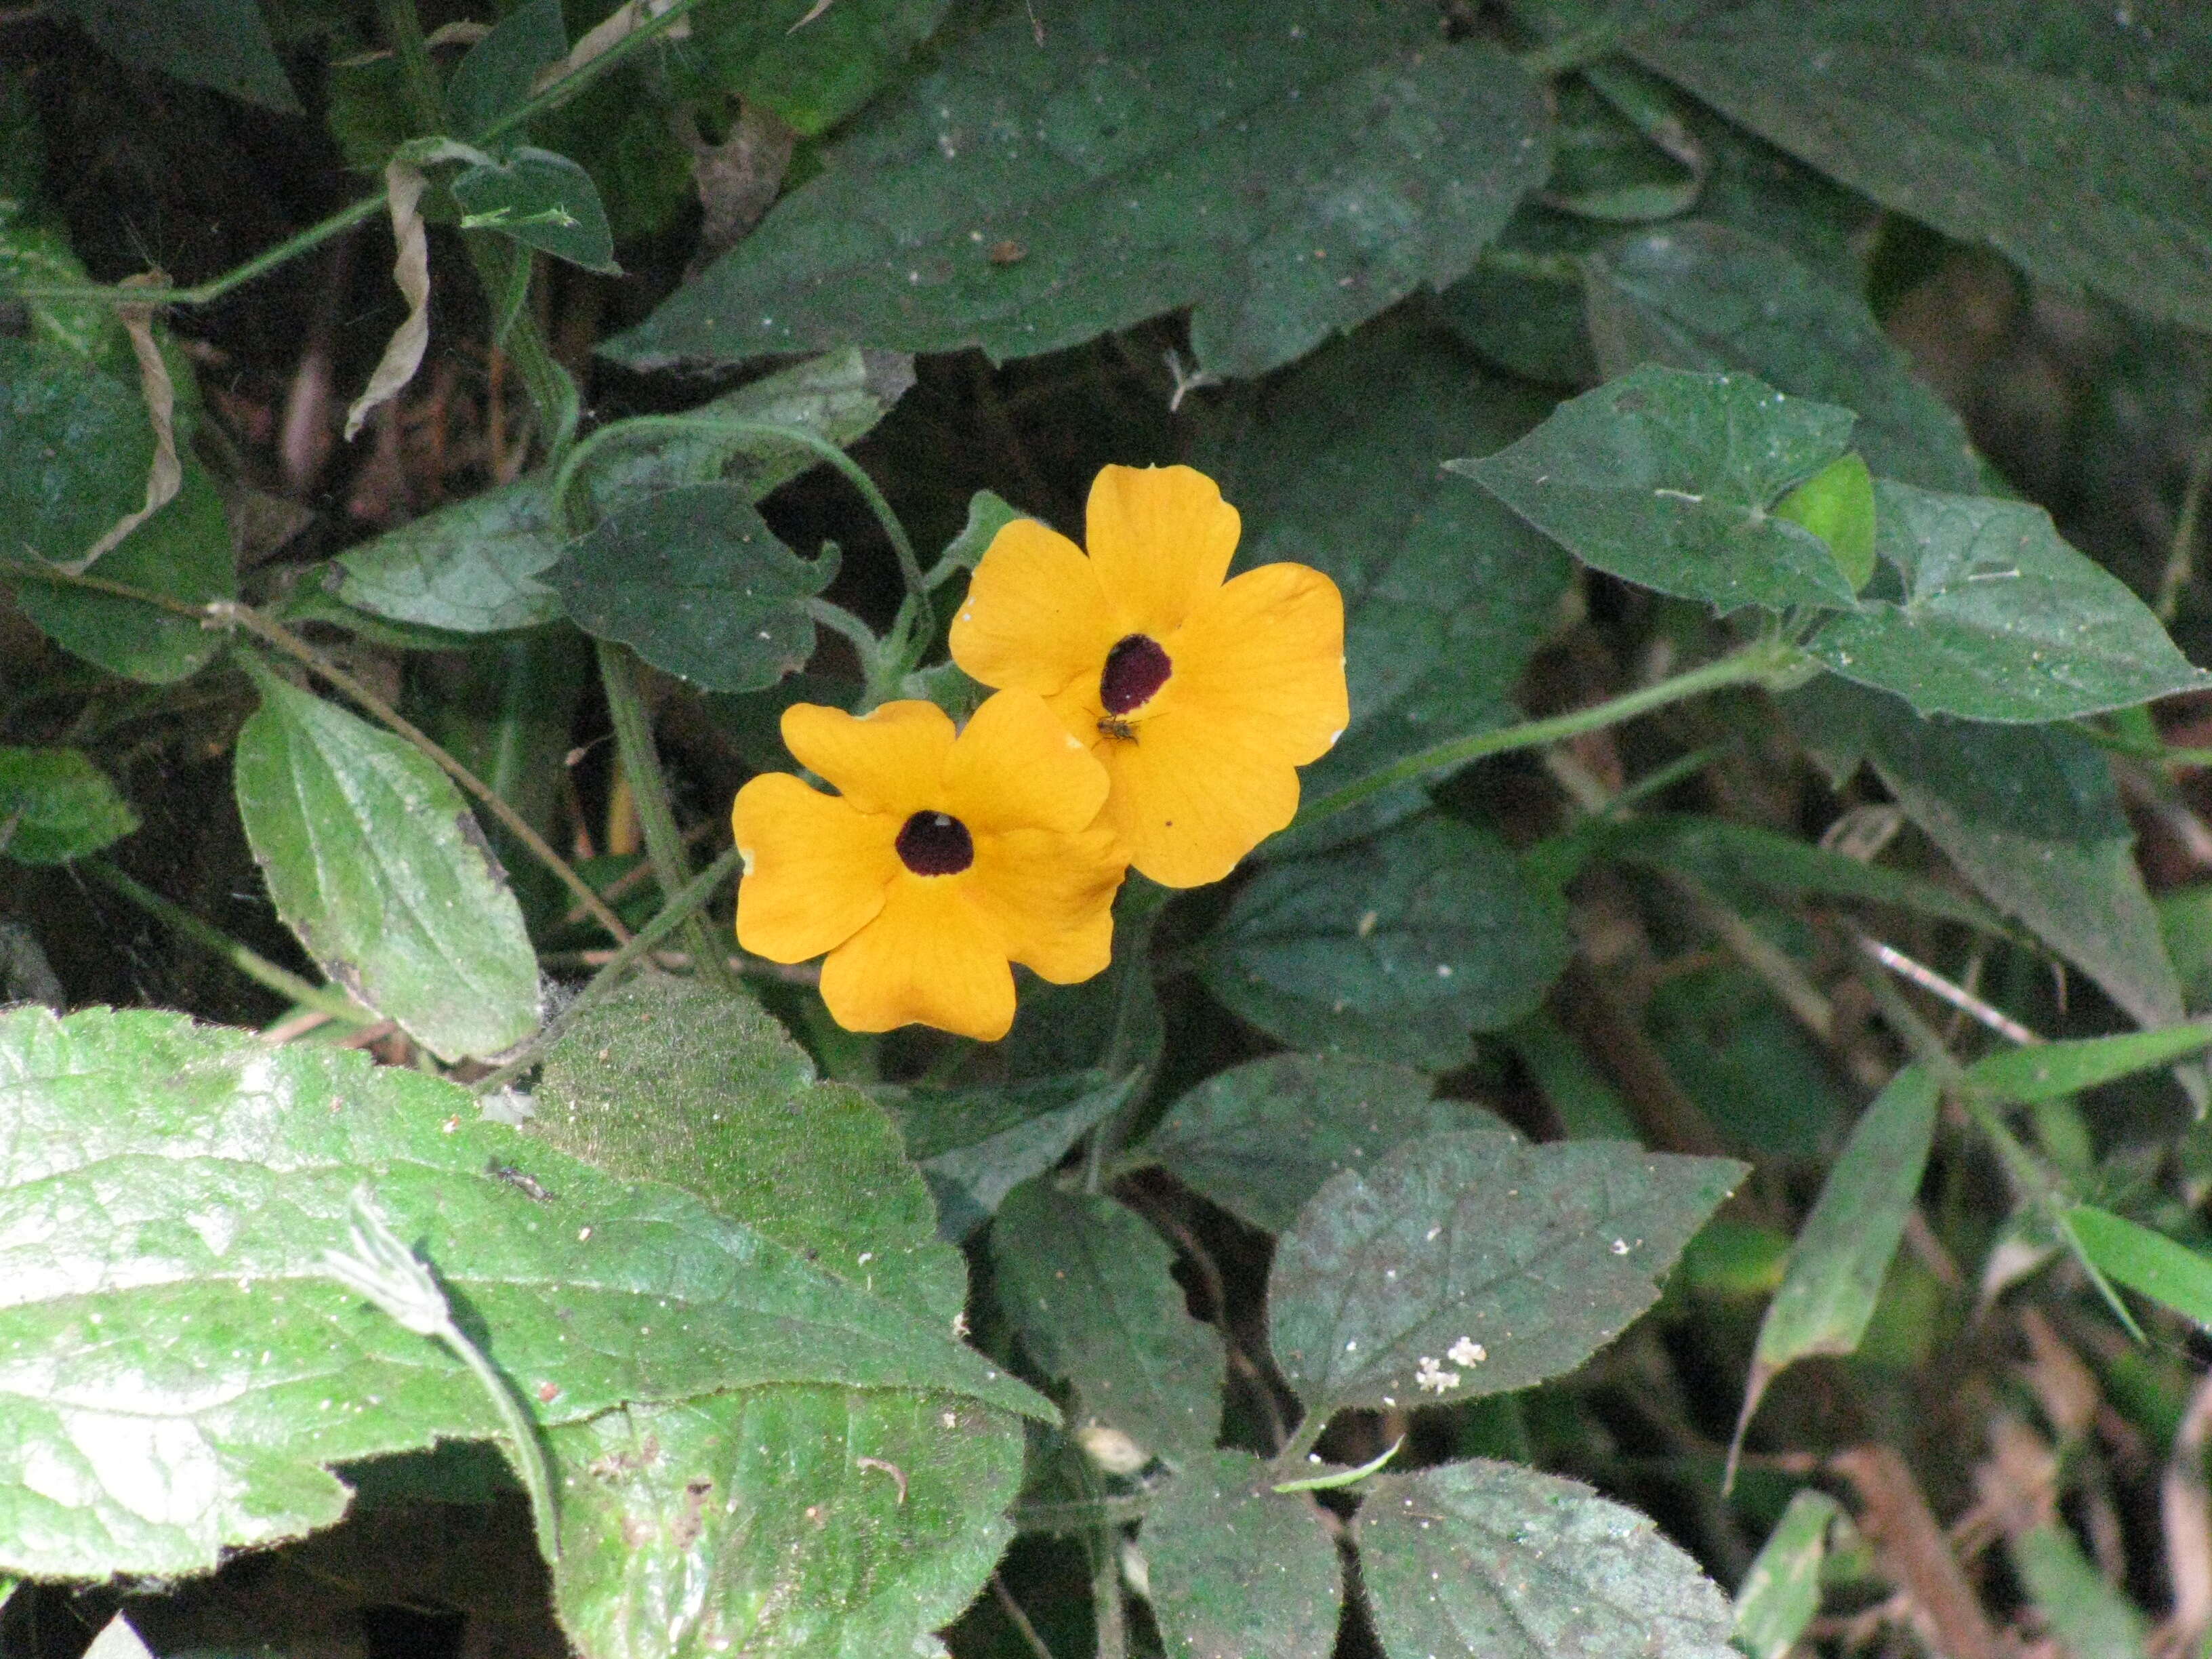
x=1017 y=1619
x=1956 y=995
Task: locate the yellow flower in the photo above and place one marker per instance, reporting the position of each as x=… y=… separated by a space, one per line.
x=940 y=859
x=1201 y=697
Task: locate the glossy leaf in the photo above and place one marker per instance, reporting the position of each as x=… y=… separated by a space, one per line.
x=1260 y=1138
x=1710 y=297
x=1972 y=147
x=1665 y=479
x=222 y=43
x=670 y=1079
x=1086 y=1283
x=494 y=75
x=1843 y=1252
x=1483 y=1560
x=694 y=581
x=976 y=1144
x=789 y=1520
x=2051 y=1070
x=1464 y=1264
x=543 y=201
x=1837 y=505
x=1782 y=1592
x=1998 y=618
x=184 y=1372
x=1238 y=1569
x=1025 y=196
x=374 y=862
x=55 y=805
x=2145 y=1261
x=1398 y=947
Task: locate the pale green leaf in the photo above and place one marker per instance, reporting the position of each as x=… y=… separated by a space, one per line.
x=2145 y=1261
x=1782 y=1592
x=55 y=805
x=2050 y=1070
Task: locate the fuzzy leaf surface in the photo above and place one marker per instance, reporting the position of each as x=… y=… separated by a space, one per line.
x=1464 y=1264
x=1286 y=182
x=1237 y=1568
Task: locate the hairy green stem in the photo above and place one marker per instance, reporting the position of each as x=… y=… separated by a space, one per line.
x=501 y=262
x=673 y=915
x=648 y=789
x=1767 y=662
x=324 y=999
x=417 y=73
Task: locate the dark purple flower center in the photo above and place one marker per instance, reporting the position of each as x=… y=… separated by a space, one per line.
x=935 y=844
x=1135 y=669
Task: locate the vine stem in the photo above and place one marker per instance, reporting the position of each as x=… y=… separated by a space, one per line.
x=230 y=611
x=1766 y=663
x=648 y=789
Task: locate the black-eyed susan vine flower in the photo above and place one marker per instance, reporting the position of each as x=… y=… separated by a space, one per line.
x=1199 y=696
x=941 y=859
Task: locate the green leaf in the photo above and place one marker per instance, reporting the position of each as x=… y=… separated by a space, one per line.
x=1024 y=196
x=1842 y=1251
x=1493 y=1561
x=2051 y=1071
x=1521 y=306
x=1397 y=946
x=222 y=43
x=781 y=1521
x=1447 y=595
x=672 y=1080
x=988 y=514
x=1263 y=1138
x=1972 y=147
x=2144 y=1261
x=374 y=862
x=182 y=553
x=35 y=251
x=1604 y=164
x=1238 y=1569
x=976 y=1144
x=1705 y=296
x=1837 y=505
x=1782 y=1592
x=475 y=567
x=696 y=583
x=74 y=450
x=543 y=201
x=2029 y=816
x=811 y=77
x=1086 y=1284
x=188 y=1344
x=2089 y=1618
x=1999 y=619
x=55 y=805
x=495 y=76
x=1465 y=1265
x=1666 y=478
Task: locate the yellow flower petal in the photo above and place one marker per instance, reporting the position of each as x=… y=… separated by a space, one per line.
x=890 y=760
x=1191 y=797
x=930 y=958
x=816 y=870
x=1035 y=617
x=1266 y=650
x=1160 y=541
x=1017 y=767
x=1050 y=896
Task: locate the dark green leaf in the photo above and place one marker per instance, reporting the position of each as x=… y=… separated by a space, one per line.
x=33 y=250
x=1465 y=1265
x=800 y=1520
x=1837 y=505
x=2030 y=816
x=1397 y=946
x=1446 y=593
x=55 y=805
x=197 y=1369
x=1842 y=1251
x=1521 y=304
x=1760 y=1079
x=74 y=450
x=475 y=567
x=495 y=76
x=222 y=43
x=1665 y=479
x=988 y=514
x=1604 y=167
x=1086 y=1283
x=977 y=1144
x=670 y=1079
x=1705 y=296
x=543 y=201
x=2051 y=1070
x=2145 y=1261
x=1999 y=619
x=812 y=77
x=1285 y=182
x=1492 y=1561
x=374 y=862
x=1782 y=1592
x=694 y=581
x=182 y=553
x=1973 y=148
x=1236 y=1569
x=1260 y=1138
